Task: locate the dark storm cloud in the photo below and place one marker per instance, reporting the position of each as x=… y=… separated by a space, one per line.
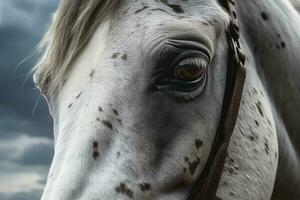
x=31 y=195
x=20 y=30
x=25 y=138
x=35 y=155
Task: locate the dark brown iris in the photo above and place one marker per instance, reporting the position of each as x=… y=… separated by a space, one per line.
x=190 y=69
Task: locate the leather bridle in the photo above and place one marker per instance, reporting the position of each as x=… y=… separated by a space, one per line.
x=208 y=182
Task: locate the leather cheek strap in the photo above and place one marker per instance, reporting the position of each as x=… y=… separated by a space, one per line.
x=208 y=182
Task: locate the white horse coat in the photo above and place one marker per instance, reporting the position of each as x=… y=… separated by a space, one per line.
x=118 y=138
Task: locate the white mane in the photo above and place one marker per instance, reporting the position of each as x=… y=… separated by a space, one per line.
x=72 y=27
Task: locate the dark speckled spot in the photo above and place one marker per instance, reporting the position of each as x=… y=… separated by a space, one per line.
x=192 y=164
x=264 y=16
x=186 y=159
x=231 y=170
x=122 y=188
x=251 y=137
x=92 y=73
x=115 y=112
x=277 y=46
x=230 y=159
x=100 y=109
x=198 y=143
x=95 y=155
x=124 y=56
x=267 y=148
x=115 y=55
x=95 y=145
x=95 y=150
x=107 y=123
x=77 y=97
x=282 y=44
x=144 y=187
x=120 y=121
x=258 y=105
x=225 y=183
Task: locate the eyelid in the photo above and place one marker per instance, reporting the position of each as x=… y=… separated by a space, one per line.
x=194 y=40
x=190 y=54
x=190 y=45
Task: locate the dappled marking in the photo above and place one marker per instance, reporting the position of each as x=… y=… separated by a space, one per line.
x=256 y=122
x=115 y=55
x=115 y=112
x=282 y=43
x=230 y=170
x=258 y=106
x=277 y=46
x=95 y=155
x=264 y=16
x=92 y=73
x=144 y=187
x=95 y=150
x=79 y=95
x=198 y=143
x=192 y=164
x=107 y=123
x=124 y=56
x=123 y=189
x=119 y=121
x=251 y=137
x=225 y=183
x=266 y=146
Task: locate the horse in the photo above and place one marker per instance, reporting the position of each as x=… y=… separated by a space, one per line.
x=136 y=88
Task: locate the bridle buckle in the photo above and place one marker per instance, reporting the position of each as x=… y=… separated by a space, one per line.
x=237 y=51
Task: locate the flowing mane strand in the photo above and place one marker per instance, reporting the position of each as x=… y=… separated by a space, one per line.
x=72 y=27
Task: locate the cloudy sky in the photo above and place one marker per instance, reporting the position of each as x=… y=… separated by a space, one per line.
x=26 y=145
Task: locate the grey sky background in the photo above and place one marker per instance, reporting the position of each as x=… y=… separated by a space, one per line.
x=26 y=145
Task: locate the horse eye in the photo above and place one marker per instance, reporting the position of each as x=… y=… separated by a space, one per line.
x=187 y=73
x=190 y=69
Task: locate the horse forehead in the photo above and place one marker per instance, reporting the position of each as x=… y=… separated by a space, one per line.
x=175 y=7
x=158 y=19
x=175 y=3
